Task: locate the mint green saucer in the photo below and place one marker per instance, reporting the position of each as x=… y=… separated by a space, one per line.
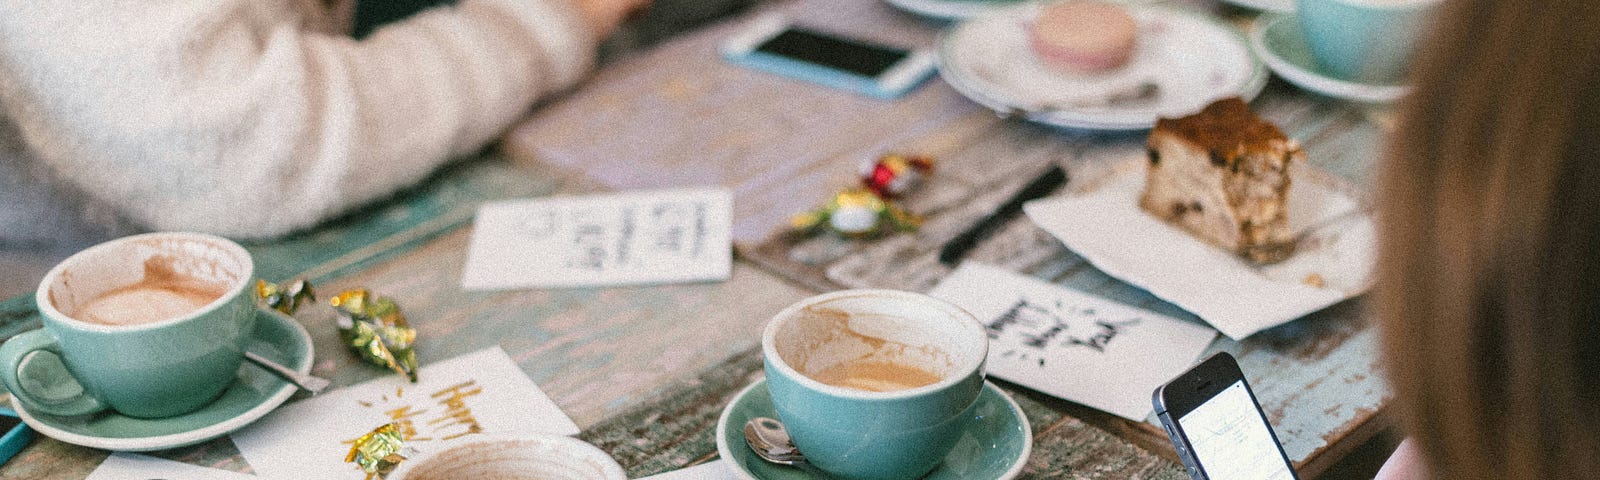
x=996 y=449
x=254 y=394
x=1277 y=39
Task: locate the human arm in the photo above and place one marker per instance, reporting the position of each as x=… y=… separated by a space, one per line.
x=1405 y=463
x=226 y=116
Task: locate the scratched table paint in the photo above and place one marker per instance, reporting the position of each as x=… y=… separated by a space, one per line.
x=678 y=110
x=645 y=370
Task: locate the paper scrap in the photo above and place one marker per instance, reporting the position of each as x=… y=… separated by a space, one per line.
x=659 y=236
x=1107 y=227
x=1072 y=345
x=124 y=466
x=716 y=470
x=481 y=392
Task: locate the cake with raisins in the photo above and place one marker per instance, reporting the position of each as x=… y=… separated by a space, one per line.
x=1223 y=175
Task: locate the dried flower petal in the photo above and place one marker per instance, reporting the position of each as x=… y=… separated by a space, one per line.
x=893 y=175
x=857 y=213
x=377 y=452
x=376 y=329
x=285 y=297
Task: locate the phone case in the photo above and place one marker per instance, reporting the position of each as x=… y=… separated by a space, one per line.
x=907 y=75
x=14 y=439
x=823 y=75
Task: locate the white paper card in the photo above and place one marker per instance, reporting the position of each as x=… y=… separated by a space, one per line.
x=1108 y=229
x=1073 y=345
x=125 y=466
x=717 y=470
x=481 y=392
x=660 y=236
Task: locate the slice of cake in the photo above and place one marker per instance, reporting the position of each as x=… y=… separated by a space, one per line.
x=1223 y=175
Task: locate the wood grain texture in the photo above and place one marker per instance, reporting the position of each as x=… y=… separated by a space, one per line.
x=341 y=246
x=1316 y=377
x=679 y=429
x=679 y=115
x=646 y=370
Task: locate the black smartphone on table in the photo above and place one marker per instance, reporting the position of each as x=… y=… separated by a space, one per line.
x=771 y=43
x=1217 y=425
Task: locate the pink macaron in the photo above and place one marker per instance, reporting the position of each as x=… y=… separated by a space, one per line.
x=1083 y=36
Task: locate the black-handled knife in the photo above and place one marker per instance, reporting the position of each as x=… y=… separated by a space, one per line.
x=1045 y=183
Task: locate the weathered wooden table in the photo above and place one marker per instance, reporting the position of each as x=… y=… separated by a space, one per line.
x=646 y=370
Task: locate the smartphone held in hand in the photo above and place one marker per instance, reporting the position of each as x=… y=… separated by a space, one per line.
x=1217 y=425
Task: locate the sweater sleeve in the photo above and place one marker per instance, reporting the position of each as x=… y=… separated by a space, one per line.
x=225 y=116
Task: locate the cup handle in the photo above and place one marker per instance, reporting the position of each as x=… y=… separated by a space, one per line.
x=17 y=348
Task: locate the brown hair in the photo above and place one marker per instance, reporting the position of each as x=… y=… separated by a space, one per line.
x=1489 y=270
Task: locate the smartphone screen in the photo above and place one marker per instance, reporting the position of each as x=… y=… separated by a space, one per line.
x=1230 y=439
x=833 y=52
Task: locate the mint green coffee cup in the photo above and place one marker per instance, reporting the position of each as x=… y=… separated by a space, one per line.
x=1366 y=41
x=902 y=432
x=150 y=325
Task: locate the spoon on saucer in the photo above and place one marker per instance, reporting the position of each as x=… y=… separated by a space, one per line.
x=308 y=383
x=771 y=442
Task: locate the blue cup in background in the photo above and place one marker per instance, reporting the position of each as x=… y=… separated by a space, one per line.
x=1366 y=41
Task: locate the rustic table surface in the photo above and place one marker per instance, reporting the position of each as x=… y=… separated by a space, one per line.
x=646 y=370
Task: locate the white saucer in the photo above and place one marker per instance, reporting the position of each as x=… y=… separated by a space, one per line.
x=255 y=393
x=1191 y=58
x=964 y=9
x=1280 y=6
x=950 y=9
x=1278 y=41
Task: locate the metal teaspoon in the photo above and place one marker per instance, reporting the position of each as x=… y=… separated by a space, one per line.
x=308 y=383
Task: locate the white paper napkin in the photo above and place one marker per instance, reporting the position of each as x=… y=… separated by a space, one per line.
x=1107 y=227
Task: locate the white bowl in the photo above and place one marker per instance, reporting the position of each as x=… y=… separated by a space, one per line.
x=507 y=457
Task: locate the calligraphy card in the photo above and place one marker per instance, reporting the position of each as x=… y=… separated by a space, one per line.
x=125 y=466
x=481 y=392
x=1072 y=345
x=714 y=470
x=660 y=236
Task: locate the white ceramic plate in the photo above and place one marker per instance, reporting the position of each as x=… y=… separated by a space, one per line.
x=504 y=455
x=1265 y=5
x=1102 y=222
x=1279 y=43
x=1191 y=58
x=950 y=9
x=964 y=9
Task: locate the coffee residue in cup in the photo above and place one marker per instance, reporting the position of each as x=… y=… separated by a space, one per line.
x=876 y=376
x=884 y=366
x=163 y=293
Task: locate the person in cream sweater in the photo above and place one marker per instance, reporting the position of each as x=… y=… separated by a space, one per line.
x=256 y=118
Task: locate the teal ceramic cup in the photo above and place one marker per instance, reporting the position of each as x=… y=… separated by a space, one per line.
x=860 y=434
x=1368 y=41
x=169 y=366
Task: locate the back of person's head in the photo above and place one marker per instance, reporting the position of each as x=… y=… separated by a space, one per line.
x=1489 y=273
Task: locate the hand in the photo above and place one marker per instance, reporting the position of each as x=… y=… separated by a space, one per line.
x=603 y=16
